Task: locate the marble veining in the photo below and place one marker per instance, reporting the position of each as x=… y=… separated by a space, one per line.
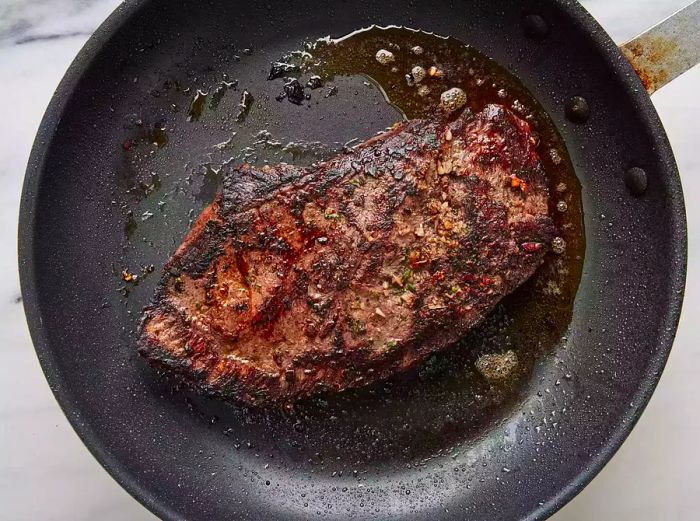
x=45 y=471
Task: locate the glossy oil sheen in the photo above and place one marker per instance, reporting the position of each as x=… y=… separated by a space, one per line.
x=534 y=319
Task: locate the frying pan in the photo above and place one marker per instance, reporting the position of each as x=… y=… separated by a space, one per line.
x=188 y=458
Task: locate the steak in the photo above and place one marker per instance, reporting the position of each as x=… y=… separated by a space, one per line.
x=301 y=279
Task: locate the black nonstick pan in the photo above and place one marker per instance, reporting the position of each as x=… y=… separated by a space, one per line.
x=392 y=453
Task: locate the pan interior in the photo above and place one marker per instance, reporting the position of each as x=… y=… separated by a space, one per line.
x=125 y=172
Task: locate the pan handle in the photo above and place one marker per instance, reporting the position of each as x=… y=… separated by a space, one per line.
x=667 y=50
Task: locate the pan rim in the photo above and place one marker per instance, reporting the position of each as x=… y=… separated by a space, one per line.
x=35 y=171
x=121 y=16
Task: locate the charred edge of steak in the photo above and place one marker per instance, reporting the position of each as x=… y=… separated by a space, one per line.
x=435 y=172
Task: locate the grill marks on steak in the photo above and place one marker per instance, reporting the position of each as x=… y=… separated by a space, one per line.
x=341 y=274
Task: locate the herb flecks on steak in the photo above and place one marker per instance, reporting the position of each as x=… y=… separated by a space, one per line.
x=334 y=276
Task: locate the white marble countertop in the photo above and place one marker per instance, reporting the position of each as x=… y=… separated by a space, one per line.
x=45 y=471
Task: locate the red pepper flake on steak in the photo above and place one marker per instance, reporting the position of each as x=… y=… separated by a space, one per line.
x=296 y=280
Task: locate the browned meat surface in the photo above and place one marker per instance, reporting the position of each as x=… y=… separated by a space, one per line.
x=296 y=280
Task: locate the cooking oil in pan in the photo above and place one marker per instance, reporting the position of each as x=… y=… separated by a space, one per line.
x=413 y=68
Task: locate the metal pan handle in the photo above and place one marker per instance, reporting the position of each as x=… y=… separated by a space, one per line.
x=668 y=49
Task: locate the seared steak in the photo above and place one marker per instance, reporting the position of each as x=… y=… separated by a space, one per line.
x=337 y=275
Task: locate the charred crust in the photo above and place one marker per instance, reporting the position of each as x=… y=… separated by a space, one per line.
x=331 y=246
